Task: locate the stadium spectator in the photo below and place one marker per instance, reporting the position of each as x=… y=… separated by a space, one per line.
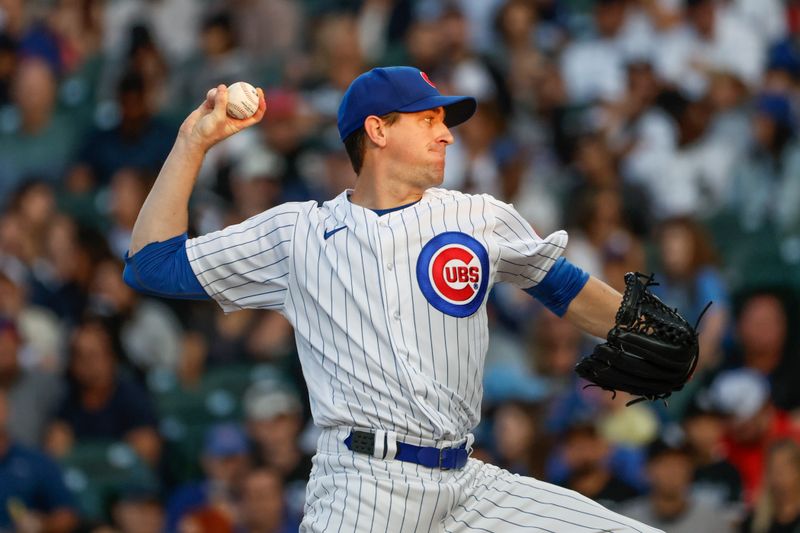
x=255 y=184
x=696 y=179
x=16 y=249
x=638 y=131
x=41 y=140
x=270 y=29
x=422 y=44
x=147 y=331
x=778 y=507
x=32 y=393
x=762 y=343
x=174 y=25
x=710 y=38
x=595 y=169
x=594 y=68
x=146 y=59
x=33 y=496
x=262 y=508
x=690 y=279
x=587 y=456
x=138 y=140
x=753 y=424
x=287 y=132
x=520 y=445
x=555 y=348
x=520 y=37
x=127 y=191
x=601 y=240
x=336 y=58
x=41 y=333
x=716 y=480
x=766 y=17
x=765 y=188
x=219 y=59
x=783 y=66
x=729 y=97
x=102 y=403
x=274 y=422
x=35 y=203
x=61 y=273
x=669 y=505
x=219 y=339
x=77 y=27
x=212 y=501
x=137 y=508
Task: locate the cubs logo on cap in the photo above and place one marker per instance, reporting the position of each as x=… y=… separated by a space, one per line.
x=427 y=79
x=453 y=273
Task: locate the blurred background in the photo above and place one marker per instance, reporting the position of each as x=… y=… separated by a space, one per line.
x=662 y=134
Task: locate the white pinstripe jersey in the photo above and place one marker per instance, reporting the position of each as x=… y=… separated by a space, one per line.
x=388 y=311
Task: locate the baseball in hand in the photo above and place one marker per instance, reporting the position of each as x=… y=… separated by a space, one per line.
x=242 y=100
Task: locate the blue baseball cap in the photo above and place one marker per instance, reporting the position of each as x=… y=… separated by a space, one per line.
x=225 y=440
x=777 y=107
x=405 y=89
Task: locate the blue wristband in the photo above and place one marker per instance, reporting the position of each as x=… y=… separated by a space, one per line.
x=560 y=286
x=163 y=269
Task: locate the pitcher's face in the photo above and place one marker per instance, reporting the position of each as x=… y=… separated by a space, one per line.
x=416 y=147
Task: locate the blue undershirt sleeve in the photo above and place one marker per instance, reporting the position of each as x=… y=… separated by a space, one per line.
x=162 y=269
x=560 y=286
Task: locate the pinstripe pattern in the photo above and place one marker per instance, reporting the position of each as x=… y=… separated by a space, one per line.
x=376 y=354
x=397 y=496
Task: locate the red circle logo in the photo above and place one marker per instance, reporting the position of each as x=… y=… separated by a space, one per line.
x=455 y=273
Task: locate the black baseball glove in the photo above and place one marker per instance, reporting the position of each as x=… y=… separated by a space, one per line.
x=650 y=352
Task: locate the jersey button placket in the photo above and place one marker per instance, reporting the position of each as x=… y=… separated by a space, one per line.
x=389 y=287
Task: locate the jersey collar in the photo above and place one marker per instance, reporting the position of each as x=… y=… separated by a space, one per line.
x=345 y=211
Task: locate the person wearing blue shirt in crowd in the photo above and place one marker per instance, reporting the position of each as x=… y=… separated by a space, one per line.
x=224 y=460
x=33 y=496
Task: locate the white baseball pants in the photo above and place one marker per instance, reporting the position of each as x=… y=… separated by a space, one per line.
x=356 y=492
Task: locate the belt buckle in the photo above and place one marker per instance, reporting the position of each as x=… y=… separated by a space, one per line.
x=363 y=442
x=441 y=457
x=455 y=459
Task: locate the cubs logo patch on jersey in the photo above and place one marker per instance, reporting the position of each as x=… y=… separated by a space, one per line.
x=453 y=273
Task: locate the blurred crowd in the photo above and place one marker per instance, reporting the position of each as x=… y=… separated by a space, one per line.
x=662 y=134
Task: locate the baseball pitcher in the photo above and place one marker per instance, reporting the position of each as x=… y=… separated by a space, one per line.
x=386 y=287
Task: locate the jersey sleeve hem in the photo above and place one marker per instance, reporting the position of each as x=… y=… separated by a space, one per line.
x=162 y=269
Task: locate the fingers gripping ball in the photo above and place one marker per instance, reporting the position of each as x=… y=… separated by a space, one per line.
x=242 y=100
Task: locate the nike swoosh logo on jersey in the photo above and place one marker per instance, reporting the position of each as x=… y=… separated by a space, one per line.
x=328 y=234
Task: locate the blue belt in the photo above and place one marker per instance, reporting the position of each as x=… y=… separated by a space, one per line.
x=430 y=456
